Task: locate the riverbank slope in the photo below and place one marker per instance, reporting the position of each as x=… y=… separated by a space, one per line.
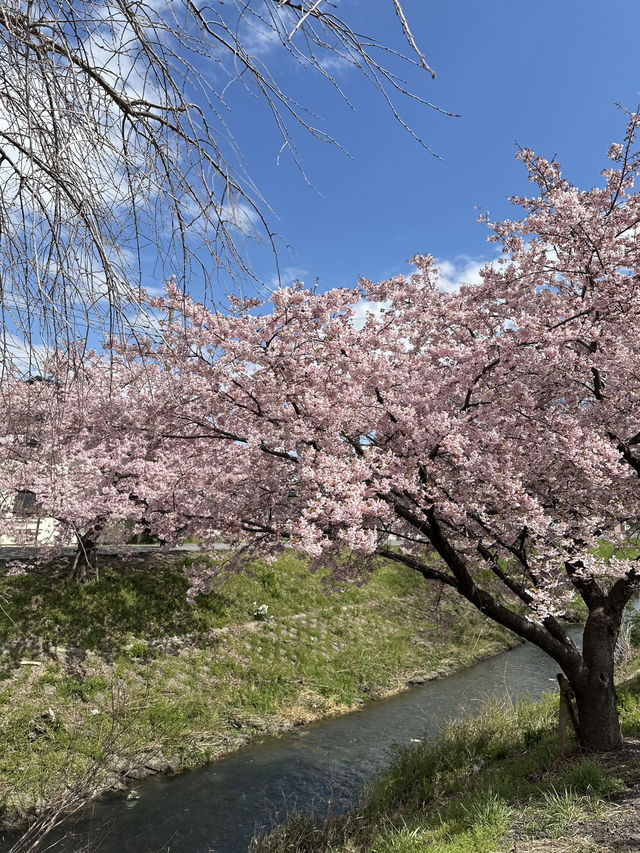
x=106 y=682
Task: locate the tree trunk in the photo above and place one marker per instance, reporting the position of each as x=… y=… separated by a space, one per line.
x=598 y=716
x=595 y=691
x=86 y=554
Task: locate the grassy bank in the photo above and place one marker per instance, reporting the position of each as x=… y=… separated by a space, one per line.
x=494 y=783
x=105 y=682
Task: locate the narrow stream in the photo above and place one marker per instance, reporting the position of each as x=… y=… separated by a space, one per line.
x=219 y=807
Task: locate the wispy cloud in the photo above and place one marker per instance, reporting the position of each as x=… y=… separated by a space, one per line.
x=336 y=63
x=22 y=355
x=260 y=39
x=240 y=216
x=288 y=275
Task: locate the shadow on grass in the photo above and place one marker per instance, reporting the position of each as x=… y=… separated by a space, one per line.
x=43 y=613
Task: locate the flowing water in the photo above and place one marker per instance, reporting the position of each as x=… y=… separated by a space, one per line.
x=219 y=807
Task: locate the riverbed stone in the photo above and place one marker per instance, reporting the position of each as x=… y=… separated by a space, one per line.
x=157 y=765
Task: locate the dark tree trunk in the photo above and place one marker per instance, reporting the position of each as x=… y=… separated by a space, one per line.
x=595 y=691
x=590 y=672
x=598 y=716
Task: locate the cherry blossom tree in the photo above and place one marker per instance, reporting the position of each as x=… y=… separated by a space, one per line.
x=62 y=481
x=488 y=439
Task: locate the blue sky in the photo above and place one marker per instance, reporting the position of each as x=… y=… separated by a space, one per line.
x=547 y=74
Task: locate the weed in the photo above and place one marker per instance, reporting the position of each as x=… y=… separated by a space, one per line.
x=490 y=811
x=557 y=811
x=78 y=688
x=261 y=612
x=590 y=778
x=139 y=649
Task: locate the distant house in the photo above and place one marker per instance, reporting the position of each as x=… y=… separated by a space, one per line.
x=29 y=526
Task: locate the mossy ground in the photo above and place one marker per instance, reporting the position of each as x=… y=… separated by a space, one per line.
x=120 y=675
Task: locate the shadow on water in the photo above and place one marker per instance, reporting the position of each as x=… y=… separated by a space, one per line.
x=220 y=806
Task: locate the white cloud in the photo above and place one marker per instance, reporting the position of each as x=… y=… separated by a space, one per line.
x=455 y=273
x=452 y=275
x=240 y=216
x=19 y=353
x=362 y=309
x=260 y=39
x=336 y=63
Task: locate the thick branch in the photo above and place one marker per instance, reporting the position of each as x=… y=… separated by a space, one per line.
x=428 y=572
x=622 y=590
x=590 y=590
x=550 y=623
x=563 y=651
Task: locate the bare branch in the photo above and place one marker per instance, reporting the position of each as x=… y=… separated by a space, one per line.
x=117 y=165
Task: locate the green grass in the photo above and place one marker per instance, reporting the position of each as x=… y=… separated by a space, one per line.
x=103 y=615
x=149 y=601
x=629 y=551
x=129 y=667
